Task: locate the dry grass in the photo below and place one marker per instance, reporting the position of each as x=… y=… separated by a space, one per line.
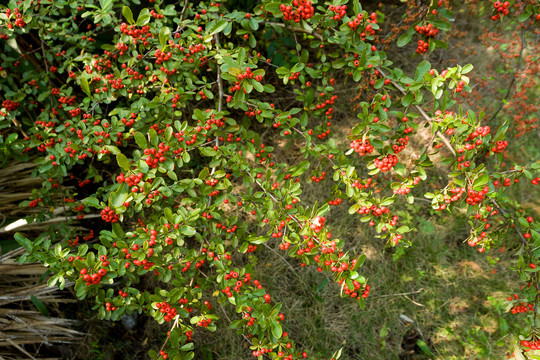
x=23 y=330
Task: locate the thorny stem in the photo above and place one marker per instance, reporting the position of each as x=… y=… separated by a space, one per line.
x=295 y=29
x=424 y=114
x=513 y=77
x=529 y=251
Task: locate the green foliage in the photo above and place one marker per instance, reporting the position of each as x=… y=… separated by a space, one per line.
x=173 y=116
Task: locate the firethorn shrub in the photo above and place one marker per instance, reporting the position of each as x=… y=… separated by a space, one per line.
x=163 y=119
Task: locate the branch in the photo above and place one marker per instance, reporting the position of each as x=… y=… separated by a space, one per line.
x=423 y=113
x=513 y=78
x=295 y=29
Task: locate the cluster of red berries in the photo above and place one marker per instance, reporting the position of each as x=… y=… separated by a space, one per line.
x=18 y=18
x=387 y=163
x=252 y=113
x=502 y=9
x=129 y=123
x=462 y=163
x=404 y=190
x=123 y=48
x=204 y=322
x=353 y=24
x=522 y=308
x=506 y=182
x=76 y=242
x=456 y=194
x=479 y=132
x=94 y=278
x=531 y=344
x=362 y=147
x=320 y=178
x=339 y=11
x=500 y=146
x=337 y=201
x=161 y=57
x=428 y=30
x=402 y=142
x=359 y=185
x=131 y=180
x=251 y=320
x=423 y=46
x=317 y=224
x=262 y=351
x=136 y=34
x=460 y=85
x=325 y=103
x=300 y=10
x=355 y=293
x=109 y=215
x=109 y=307
x=395 y=239
x=282 y=224
x=155 y=15
x=294 y=75
x=165 y=308
x=154 y=157
x=374 y=210
x=34 y=202
x=251 y=248
x=476 y=197
x=368 y=31
x=10 y=105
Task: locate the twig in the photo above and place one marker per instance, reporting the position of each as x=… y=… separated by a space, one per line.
x=18 y=125
x=527 y=248
x=424 y=114
x=513 y=78
x=401 y=294
x=295 y=29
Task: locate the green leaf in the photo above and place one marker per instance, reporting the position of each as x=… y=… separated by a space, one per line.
x=253 y=24
x=84 y=85
x=207 y=151
x=23 y=241
x=140 y=139
x=298 y=67
x=91 y=201
x=360 y=261
x=128 y=14
x=467 y=68
x=164 y=36
x=441 y=25
x=424 y=347
x=300 y=168
x=421 y=70
x=144 y=17
x=120 y=196
x=123 y=161
x=337 y=354
x=480 y=182
x=405 y=38
x=219 y=27
x=118 y=231
x=188 y=230
x=39 y=305
x=339 y=63
x=524 y=16
x=276 y=329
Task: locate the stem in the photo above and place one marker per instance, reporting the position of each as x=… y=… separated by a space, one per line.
x=424 y=114
x=513 y=78
x=295 y=29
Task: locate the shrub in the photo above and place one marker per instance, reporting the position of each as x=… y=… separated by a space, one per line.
x=163 y=118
